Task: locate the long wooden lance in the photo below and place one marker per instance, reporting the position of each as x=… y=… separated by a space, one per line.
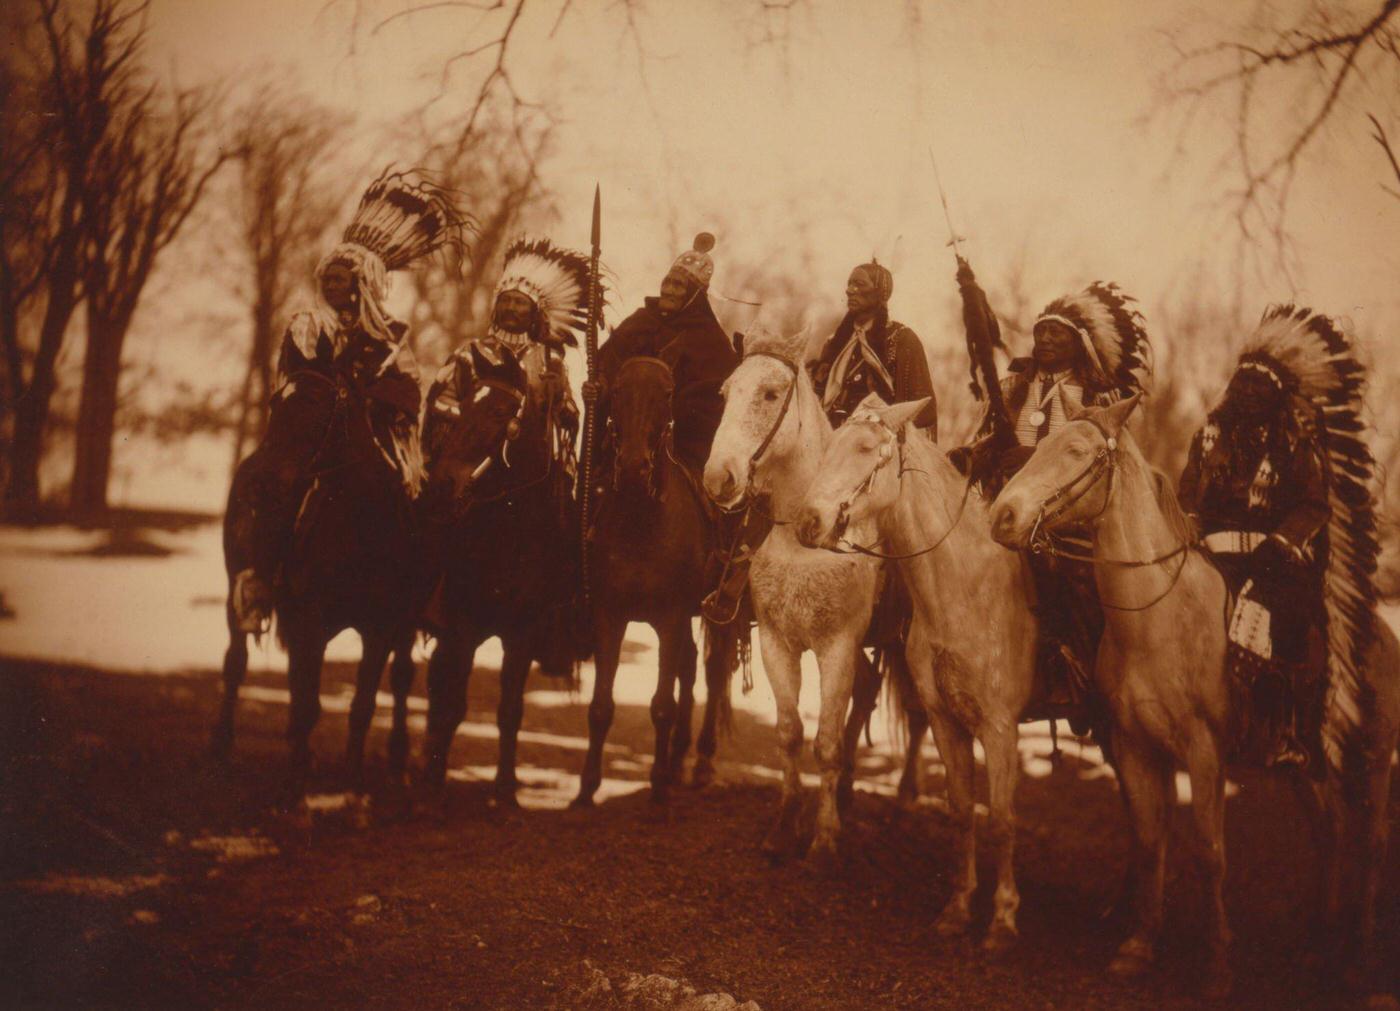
x=590 y=396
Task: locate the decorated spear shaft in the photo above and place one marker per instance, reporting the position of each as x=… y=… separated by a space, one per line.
x=590 y=399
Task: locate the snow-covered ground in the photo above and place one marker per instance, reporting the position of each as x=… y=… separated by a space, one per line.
x=166 y=615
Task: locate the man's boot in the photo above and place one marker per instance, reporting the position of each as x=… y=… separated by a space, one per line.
x=724 y=604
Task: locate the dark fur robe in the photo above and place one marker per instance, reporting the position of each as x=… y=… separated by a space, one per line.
x=701 y=357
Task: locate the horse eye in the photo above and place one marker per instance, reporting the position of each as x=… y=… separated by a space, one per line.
x=770 y=395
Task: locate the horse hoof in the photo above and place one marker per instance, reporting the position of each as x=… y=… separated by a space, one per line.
x=1217 y=984
x=506 y=798
x=845 y=795
x=1000 y=939
x=1133 y=959
x=825 y=858
x=954 y=921
x=778 y=846
x=583 y=802
x=221 y=747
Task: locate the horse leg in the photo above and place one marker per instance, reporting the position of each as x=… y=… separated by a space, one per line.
x=663 y=703
x=374 y=652
x=717 y=673
x=837 y=663
x=782 y=664
x=607 y=647
x=916 y=724
x=515 y=665
x=1149 y=786
x=1003 y=767
x=955 y=748
x=865 y=692
x=448 y=673
x=235 y=669
x=685 y=707
x=1207 y=772
x=304 y=660
x=401 y=672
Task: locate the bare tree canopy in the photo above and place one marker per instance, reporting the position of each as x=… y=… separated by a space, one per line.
x=1283 y=78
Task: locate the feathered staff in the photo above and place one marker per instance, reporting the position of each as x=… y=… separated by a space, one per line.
x=983 y=334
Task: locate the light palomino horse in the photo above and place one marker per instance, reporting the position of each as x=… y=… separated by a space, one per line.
x=972 y=645
x=768 y=446
x=1162 y=668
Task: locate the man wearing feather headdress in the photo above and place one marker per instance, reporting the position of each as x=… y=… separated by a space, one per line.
x=349 y=335
x=538 y=305
x=1091 y=349
x=1278 y=482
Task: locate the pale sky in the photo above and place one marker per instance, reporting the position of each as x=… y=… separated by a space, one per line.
x=1031 y=108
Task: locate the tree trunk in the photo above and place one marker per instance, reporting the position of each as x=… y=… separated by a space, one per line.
x=32 y=410
x=97 y=417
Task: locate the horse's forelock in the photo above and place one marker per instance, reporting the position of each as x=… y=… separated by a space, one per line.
x=792 y=347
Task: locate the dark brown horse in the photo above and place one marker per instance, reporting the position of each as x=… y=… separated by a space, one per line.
x=509 y=554
x=349 y=562
x=649 y=550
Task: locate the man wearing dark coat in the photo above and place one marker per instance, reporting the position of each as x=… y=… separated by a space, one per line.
x=871 y=353
x=679 y=327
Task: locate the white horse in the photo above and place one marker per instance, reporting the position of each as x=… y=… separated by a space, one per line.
x=1162 y=668
x=767 y=448
x=972 y=646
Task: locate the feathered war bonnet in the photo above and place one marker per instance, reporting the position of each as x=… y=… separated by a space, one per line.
x=1112 y=332
x=401 y=219
x=1312 y=358
x=555 y=279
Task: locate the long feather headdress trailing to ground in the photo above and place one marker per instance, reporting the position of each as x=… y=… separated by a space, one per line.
x=1320 y=358
x=555 y=279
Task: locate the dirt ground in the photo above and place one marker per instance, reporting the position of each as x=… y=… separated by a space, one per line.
x=135 y=872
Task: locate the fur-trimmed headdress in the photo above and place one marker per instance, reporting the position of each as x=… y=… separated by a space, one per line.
x=1313 y=358
x=1112 y=332
x=555 y=279
x=695 y=263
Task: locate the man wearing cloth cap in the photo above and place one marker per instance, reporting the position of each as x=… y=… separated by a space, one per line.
x=679 y=327
x=871 y=353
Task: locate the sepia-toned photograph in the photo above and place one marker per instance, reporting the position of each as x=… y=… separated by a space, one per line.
x=728 y=505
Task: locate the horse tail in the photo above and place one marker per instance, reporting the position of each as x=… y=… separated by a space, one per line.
x=897 y=686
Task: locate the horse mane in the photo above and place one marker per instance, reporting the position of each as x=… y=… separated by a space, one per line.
x=1182 y=525
x=792 y=347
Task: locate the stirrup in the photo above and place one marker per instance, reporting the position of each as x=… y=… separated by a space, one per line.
x=717 y=610
x=252 y=618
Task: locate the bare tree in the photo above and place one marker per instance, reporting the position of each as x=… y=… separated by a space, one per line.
x=283 y=199
x=151 y=172
x=492 y=163
x=58 y=116
x=1283 y=81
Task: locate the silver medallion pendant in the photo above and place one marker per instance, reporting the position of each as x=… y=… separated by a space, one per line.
x=1038 y=418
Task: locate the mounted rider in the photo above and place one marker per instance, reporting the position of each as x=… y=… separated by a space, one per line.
x=1091 y=349
x=868 y=353
x=679 y=327
x=1278 y=481
x=348 y=336
x=536 y=309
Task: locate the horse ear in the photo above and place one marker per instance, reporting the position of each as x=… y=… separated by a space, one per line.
x=899 y=415
x=1115 y=415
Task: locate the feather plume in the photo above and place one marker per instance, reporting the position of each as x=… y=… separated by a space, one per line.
x=1321 y=363
x=555 y=279
x=1113 y=332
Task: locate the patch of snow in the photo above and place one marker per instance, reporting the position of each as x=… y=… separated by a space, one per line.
x=235 y=848
x=94 y=887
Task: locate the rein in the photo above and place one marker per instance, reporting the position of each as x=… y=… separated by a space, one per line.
x=338 y=414
x=843 y=511
x=757 y=454
x=1042 y=539
x=663 y=444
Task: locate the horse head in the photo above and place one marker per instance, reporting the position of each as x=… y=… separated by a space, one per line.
x=640 y=420
x=473 y=459
x=858 y=478
x=761 y=420
x=1067 y=481
x=318 y=423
